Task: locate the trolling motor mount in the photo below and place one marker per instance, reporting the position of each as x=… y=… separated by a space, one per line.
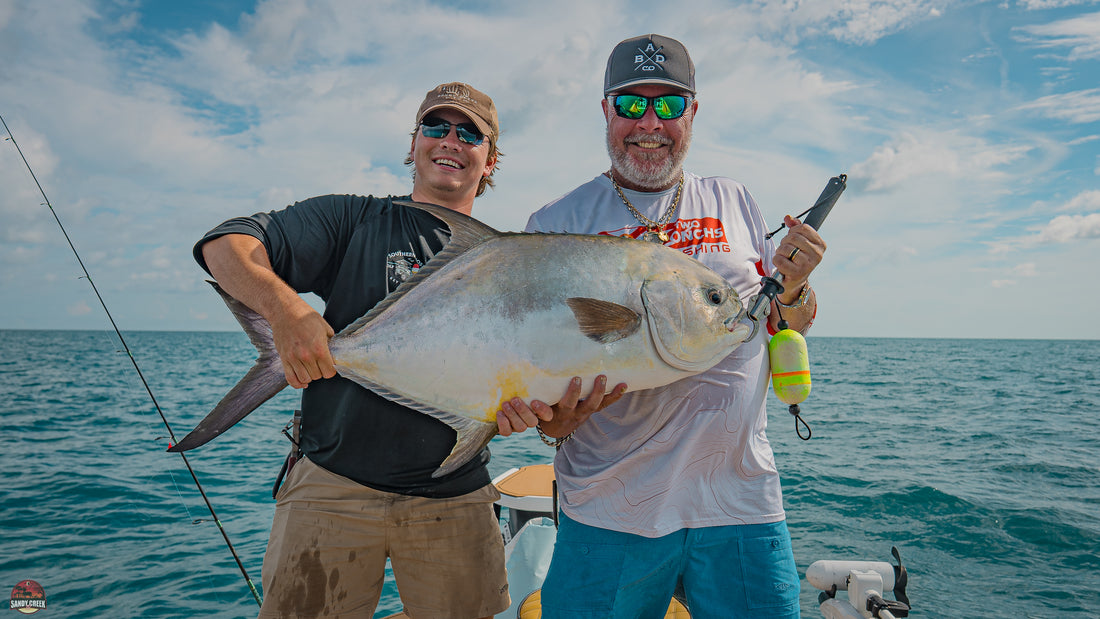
x=864 y=581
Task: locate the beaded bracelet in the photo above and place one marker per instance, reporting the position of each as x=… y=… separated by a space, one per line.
x=552 y=443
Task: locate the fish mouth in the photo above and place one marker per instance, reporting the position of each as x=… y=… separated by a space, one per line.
x=733 y=321
x=740 y=325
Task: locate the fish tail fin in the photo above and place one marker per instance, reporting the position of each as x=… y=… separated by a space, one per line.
x=472 y=437
x=260 y=384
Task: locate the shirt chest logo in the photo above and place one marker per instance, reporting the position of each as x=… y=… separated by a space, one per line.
x=400 y=266
x=704 y=235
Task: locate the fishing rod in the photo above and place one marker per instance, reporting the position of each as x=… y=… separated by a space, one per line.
x=816 y=214
x=126 y=348
x=787 y=353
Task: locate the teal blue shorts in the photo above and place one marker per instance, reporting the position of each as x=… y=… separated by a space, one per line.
x=742 y=571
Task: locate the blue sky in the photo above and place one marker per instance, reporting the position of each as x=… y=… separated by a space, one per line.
x=970 y=132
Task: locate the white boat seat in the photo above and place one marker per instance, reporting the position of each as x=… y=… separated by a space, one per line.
x=528 y=493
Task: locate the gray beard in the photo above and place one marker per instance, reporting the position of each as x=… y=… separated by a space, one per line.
x=648 y=178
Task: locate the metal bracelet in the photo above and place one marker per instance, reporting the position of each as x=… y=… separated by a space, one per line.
x=555 y=442
x=799 y=302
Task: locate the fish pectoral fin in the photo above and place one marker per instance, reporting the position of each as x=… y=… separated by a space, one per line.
x=604 y=321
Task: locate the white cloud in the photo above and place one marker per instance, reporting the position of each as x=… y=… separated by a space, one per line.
x=1080 y=34
x=7 y=12
x=867 y=21
x=861 y=22
x=889 y=254
x=1081 y=107
x=1037 y=5
x=1084 y=140
x=951 y=154
x=1026 y=269
x=1068 y=228
x=25 y=218
x=1084 y=201
x=1014 y=274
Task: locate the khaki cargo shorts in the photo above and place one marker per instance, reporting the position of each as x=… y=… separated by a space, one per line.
x=330 y=538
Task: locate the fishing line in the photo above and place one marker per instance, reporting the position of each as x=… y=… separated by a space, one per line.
x=133 y=361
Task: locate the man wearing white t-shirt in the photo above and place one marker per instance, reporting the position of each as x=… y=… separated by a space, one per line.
x=673 y=488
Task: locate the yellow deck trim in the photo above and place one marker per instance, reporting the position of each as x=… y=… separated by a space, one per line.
x=533 y=480
x=531 y=608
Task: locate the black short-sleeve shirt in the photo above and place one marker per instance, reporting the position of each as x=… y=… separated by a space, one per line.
x=352 y=251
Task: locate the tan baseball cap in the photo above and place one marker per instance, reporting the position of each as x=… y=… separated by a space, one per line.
x=466 y=99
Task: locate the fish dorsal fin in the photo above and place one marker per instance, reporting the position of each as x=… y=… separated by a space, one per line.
x=466 y=233
x=604 y=321
x=465 y=230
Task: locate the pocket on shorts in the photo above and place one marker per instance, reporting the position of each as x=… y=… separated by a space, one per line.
x=771 y=577
x=303 y=467
x=583 y=577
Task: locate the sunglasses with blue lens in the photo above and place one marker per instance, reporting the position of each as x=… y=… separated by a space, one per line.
x=666 y=107
x=432 y=127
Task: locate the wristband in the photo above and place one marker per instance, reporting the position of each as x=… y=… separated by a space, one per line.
x=799 y=302
x=555 y=442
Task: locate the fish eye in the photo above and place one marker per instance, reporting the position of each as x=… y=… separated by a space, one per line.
x=715 y=296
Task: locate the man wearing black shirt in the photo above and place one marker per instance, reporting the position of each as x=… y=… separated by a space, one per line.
x=363 y=491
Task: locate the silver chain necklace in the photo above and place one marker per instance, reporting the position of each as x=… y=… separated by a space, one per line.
x=654 y=230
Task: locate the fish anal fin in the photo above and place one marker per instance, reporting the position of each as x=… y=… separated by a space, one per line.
x=603 y=321
x=472 y=437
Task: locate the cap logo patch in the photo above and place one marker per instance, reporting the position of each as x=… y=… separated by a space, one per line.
x=649 y=59
x=456 y=92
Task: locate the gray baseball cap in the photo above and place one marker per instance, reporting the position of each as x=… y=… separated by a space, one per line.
x=649 y=59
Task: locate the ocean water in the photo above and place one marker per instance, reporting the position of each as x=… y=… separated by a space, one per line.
x=978 y=459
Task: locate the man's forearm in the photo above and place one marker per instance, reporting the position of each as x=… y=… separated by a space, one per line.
x=240 y=264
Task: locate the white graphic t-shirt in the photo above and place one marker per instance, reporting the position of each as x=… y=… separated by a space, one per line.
x=694 y=453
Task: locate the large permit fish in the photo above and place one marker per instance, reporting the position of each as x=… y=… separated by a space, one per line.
x=496 y=315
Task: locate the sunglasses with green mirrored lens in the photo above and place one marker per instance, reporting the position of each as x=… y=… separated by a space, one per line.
x=666 y=107
x=437 y=128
